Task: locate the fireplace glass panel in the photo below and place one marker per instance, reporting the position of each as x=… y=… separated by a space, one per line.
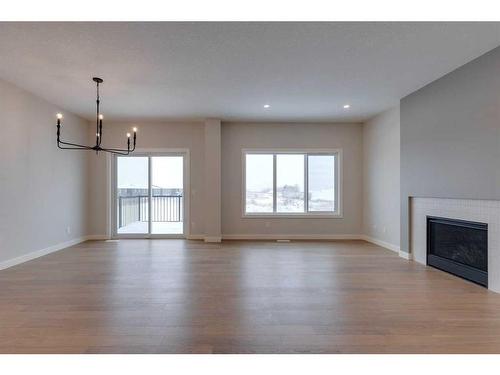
x=464 y=243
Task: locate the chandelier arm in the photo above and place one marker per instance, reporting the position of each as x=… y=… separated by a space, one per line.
x=129 y=150
x=81 y=147
x=86 y=148
x=74 y=144
x=59 y=137
x=115 y=151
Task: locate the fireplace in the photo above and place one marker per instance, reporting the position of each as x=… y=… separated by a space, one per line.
x=458 y=247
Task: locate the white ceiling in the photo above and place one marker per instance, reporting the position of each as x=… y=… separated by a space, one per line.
x=305 y=71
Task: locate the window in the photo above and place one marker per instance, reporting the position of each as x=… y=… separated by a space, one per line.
x=321 y=182
x=259 y=188
x=291 y=183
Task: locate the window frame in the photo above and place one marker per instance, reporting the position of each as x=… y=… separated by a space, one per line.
x=337 y=152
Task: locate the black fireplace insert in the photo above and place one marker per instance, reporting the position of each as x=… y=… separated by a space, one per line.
x=458 y=247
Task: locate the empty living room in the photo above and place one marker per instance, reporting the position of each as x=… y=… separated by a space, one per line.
x=226 y=185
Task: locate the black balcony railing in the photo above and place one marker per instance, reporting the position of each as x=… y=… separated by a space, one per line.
x=164 y=208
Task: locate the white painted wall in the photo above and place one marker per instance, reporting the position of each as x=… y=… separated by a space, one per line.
x=237 y=136
x=233 y=137
x=381 y=183
x=212 y=189
x=154 y=136
x=43 y=190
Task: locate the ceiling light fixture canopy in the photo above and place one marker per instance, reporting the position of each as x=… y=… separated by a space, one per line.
x=98 y=134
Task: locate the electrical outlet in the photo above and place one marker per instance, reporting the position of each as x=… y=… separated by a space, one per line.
x=68 y=230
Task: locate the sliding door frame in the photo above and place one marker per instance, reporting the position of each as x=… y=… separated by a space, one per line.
x=150 y=153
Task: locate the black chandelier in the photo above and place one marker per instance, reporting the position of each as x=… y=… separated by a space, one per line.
x=98 y=134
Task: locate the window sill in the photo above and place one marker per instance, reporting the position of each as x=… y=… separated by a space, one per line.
x=293 y=216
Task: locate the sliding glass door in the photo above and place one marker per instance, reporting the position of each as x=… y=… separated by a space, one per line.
x=149 y=196
x=167 y=194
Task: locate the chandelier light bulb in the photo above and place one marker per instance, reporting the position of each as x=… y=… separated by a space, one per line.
x=128 y=135
x=134 y=129
x=59 y=116
x=101 y=117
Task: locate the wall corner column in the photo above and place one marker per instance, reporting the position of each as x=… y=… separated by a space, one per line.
x=212 y=201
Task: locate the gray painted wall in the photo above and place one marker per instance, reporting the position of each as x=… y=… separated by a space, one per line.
x=43 y=190
x=450 y=137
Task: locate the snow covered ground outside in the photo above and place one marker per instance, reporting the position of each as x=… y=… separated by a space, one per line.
x=163 y=227
x=263 y=202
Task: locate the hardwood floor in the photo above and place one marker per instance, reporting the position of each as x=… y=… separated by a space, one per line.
x=176 y=296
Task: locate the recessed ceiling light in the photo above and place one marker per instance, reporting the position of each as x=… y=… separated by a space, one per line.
x=267 y=106
x=347 y=106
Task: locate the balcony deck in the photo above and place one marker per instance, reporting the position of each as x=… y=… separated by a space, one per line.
x=160 y=227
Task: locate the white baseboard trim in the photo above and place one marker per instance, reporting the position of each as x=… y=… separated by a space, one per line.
x=39 y=253
x=272 y=237
x=213 y=239
x=97 y=237
x=195 y=237
x=291 y=237
x=381 y=243
x=405 y=255
x=101 y=237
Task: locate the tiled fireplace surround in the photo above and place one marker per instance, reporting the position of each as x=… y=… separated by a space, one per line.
x=484 y=211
